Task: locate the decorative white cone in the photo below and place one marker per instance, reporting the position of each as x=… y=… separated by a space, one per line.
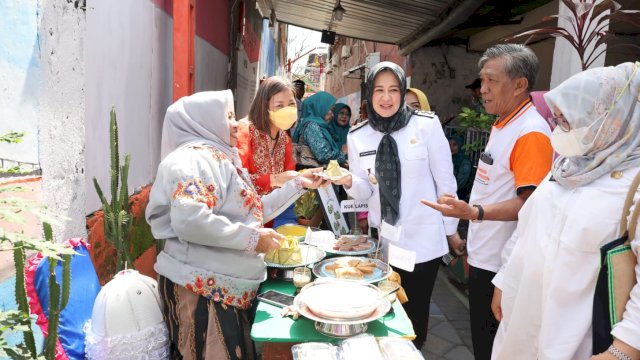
x=126 y=322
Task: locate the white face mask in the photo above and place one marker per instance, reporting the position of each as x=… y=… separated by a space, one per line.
x=570 y=143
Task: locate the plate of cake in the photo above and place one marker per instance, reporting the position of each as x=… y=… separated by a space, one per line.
x=351 y=245
x=333 y=171
x=353 y=268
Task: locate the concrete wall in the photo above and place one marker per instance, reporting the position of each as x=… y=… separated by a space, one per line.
x=61 y=113
x=20 y=78
x=211 y=67
x=128 y=57
x=212 y=44
x=442 y=72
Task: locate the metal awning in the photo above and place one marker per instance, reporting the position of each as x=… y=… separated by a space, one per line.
x=407 y=23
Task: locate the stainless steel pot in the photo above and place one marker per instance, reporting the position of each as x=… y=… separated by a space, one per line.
x=340 y=330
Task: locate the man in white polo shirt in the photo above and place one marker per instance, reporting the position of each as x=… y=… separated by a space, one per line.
x=517 y=157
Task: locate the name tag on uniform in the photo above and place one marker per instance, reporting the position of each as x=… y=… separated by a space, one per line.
x=367 y=153
x=390 y=232
x=402 y=258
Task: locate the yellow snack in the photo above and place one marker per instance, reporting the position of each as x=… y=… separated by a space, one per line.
x=288 y=253
x=333 y=169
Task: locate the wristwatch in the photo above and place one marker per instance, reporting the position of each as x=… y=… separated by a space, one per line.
x=480 y=214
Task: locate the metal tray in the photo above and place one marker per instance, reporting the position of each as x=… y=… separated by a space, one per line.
x=382 y=271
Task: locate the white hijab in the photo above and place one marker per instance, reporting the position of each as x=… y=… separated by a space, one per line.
x=607 y=101
x=200 y=119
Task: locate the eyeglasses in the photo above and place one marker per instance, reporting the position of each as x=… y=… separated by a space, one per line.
x=561 y=122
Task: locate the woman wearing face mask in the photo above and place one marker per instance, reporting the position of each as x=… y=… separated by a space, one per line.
x=396 y=158
x=545 y=289
x=207 y=210
x=313 y=129
x=264 y=146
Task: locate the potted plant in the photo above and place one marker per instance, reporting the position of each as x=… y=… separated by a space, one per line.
x=307 y=209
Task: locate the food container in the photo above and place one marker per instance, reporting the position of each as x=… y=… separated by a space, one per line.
x=314 y=351
x=362 y=346
x=389 y=289
x=394 y=348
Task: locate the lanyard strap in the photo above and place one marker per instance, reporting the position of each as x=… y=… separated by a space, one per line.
x=630 y=228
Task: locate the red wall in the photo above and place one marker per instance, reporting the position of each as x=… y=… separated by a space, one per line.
x=212 y=21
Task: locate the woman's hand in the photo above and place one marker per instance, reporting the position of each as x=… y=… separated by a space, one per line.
x=277 y=180
x=312 y=181
x=268 y=240
x=496 y=306
x=345 y=181
x=456 y=244
x=344 y=149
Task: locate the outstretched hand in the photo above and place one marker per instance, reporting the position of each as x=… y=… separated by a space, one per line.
x=450 y=206
x=312 y=181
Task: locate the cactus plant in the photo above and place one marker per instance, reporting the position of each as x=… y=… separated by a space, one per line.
x=21 y=299
x=117 y=217
x=58 y=296
x=12 y=211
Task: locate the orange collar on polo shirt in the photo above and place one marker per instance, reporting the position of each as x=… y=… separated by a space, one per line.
x=521 y=109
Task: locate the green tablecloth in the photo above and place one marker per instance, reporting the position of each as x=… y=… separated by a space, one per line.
x=270 y=326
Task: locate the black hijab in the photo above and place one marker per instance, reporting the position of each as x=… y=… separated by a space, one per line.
x=387 y=160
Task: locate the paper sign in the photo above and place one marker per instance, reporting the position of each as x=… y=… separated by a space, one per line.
x=390 y=232
x=401 y=258
x=354 y=206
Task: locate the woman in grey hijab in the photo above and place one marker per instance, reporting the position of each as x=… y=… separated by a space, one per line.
x=211 y=217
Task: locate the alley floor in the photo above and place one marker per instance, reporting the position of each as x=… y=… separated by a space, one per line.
x=449 y=336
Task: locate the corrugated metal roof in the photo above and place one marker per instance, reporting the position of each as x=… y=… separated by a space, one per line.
x=385 y=21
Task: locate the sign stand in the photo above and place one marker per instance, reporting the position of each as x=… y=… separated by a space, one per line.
x=332 y=211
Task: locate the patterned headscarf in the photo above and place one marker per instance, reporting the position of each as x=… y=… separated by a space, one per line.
x=606 y=101
x=387 y=159
x=338 y=131
x=200 y=119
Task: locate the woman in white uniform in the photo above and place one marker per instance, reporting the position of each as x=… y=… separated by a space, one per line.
x=396 y=158
x=545 y=288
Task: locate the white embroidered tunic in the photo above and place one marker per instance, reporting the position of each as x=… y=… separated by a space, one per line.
x=208 y=211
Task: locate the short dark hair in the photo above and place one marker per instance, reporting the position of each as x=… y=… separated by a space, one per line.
x=519 y=61
x=259 y=109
